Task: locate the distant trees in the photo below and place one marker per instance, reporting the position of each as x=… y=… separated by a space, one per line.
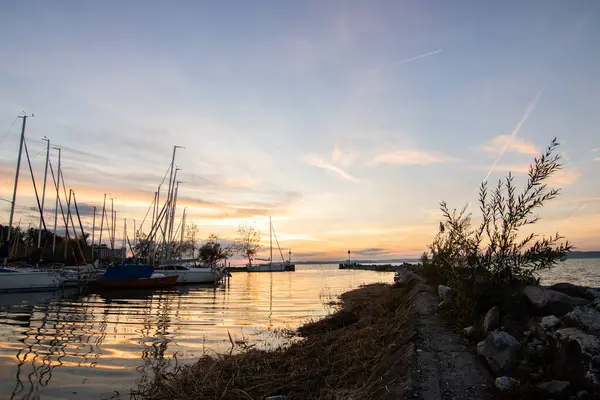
x=248 y=242
x=211 y=251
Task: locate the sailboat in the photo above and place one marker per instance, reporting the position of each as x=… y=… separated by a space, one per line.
x=270 y=266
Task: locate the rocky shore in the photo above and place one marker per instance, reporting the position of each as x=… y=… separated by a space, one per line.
x=546 y=346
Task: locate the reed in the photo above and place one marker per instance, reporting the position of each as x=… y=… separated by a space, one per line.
x=360 y=351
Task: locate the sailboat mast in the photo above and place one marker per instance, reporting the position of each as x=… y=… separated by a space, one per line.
x=39 y=243
x=57 y=200
x=182 y=229
x=112 y=224
x=271 y=240
x=169 y=199
x=173 y=208
x=93 y=233
x=124 y=240
x=14 y=197
x=67 y=223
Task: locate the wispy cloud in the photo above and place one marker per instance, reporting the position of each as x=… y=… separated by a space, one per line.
x=405 y=61
x=411 y=157
x=319 y=161
x=564 y=177
x=504 y=168
x=515 y=131
x=242 y=182
x=503 y=143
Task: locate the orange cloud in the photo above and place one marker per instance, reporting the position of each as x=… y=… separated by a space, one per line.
x=567 y=176
x=514 y=144
x=411 y=157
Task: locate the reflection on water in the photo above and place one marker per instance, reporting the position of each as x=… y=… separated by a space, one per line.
x=584 y=272
x=69 y=345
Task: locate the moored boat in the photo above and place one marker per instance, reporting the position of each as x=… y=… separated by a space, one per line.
x=271 y=267
x=13 y=279
x=190 y=273
x=133 y=276
x=152 y=282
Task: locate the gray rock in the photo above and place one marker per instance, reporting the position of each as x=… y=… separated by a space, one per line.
x=549 y=322
x=578 y=357
x=549 y=301
x=276 y=398
x=506 y=383
x=554 y=389
x=593 y=293
x=469 y=331
x=574 y=290
x=585 y=318
x=445 y=293
x=492 y=319
x=595 y=304
x=499 y=350
x=402 y=276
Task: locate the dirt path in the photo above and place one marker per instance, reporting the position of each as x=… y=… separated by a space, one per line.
x=444 y=365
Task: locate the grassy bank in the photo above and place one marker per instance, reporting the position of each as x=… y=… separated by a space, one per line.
x=360 y=351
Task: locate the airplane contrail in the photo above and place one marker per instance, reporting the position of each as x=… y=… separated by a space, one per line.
x=515 y=131
x=396 y=63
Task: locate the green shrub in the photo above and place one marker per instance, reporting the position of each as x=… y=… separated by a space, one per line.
x=475 y=260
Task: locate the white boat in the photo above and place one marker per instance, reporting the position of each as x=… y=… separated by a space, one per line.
x=12 y=279
x=270 y=266
x=267 y=267
x=191 y=273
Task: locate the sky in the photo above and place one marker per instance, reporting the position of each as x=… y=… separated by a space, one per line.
x=347 y=122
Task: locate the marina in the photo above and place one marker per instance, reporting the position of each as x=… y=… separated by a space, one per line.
x=65 y=345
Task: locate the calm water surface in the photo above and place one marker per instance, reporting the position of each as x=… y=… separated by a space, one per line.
x=70 y=346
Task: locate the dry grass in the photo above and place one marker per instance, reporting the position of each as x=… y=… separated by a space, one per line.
x=359 y=352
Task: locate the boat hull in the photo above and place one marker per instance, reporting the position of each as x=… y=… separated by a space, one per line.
x=29 y=281
x=193 y=276
x=271 y=267
x=142 y=283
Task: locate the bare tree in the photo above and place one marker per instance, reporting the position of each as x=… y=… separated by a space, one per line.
x=248 y=242
x=191 y=236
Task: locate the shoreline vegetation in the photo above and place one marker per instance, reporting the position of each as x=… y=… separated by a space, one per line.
x=360 y=351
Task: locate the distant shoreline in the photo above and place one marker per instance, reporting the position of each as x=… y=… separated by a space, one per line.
x=574 y=255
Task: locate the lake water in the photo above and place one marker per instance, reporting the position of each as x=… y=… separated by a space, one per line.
x=73 y=346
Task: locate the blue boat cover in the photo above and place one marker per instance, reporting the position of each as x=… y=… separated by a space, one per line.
x=126 y=272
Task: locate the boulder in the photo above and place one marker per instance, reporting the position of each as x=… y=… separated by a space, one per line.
x=402 y=276
x=492 y=319
x=445 y=293
x=499 y=350
x=555 y=389
x=506 y=383
x=578 y=357
x=574 y=290
x=547 y=301
x=595 y=304
x=584 y=318
x=469 y=331
x=549 y=322
x=593 y=293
